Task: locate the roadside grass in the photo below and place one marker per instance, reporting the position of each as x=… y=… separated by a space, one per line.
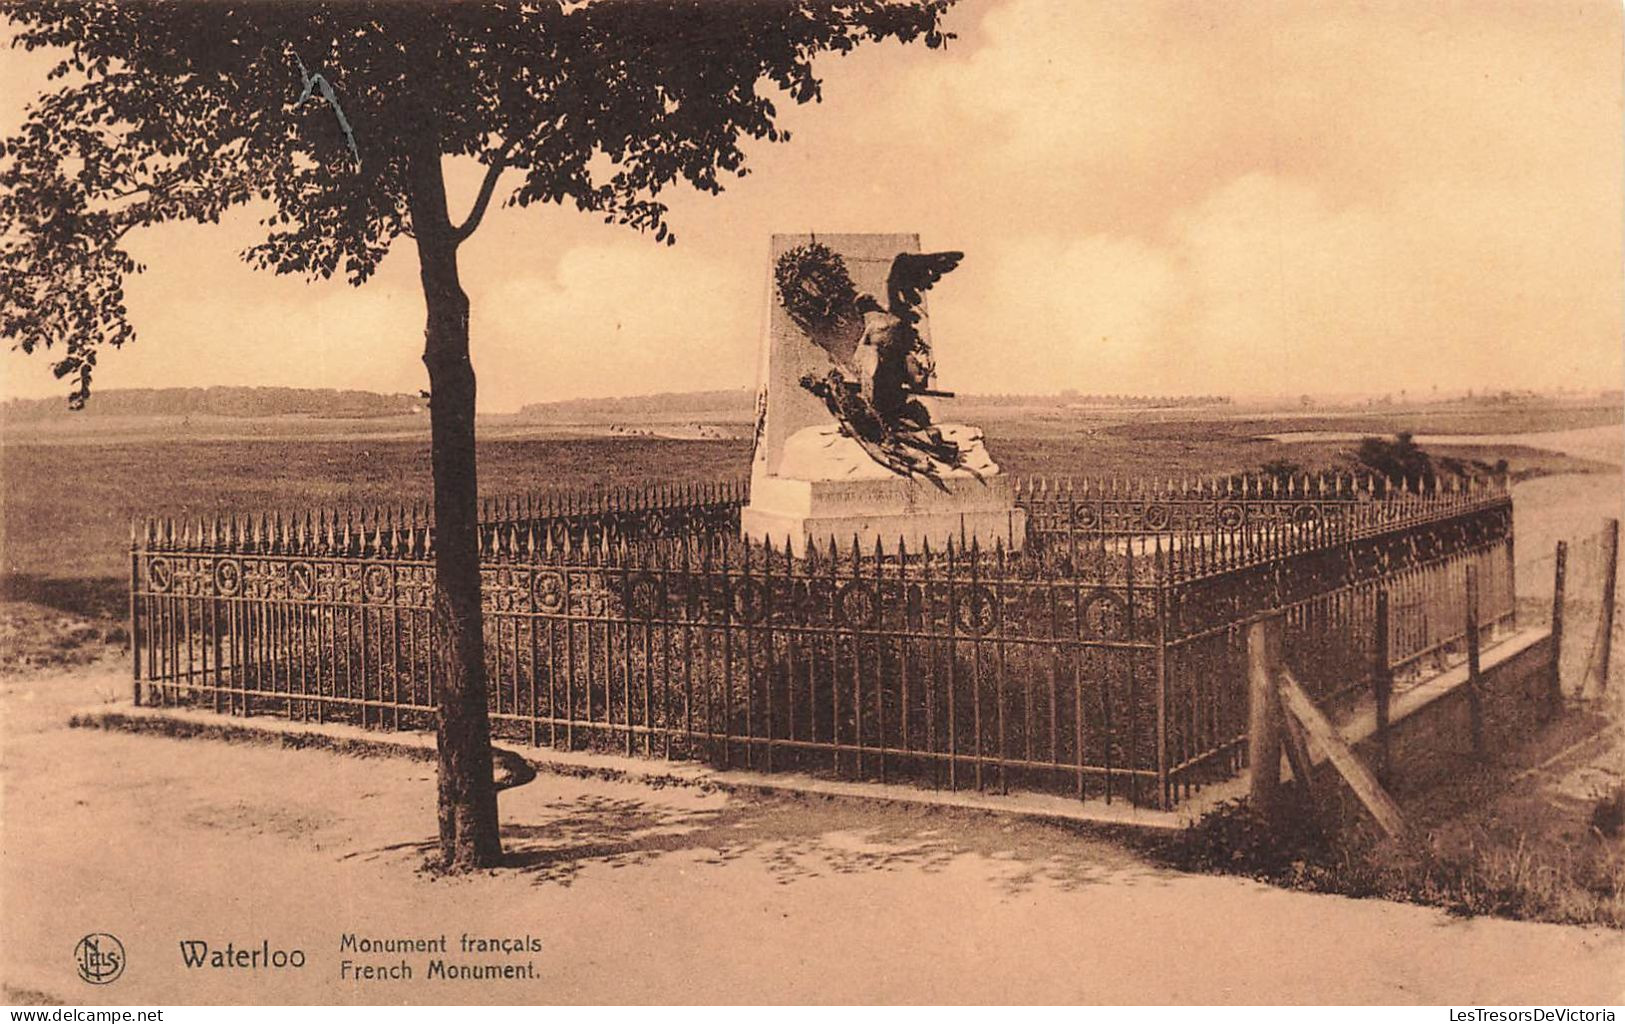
x=60 y=623
x=1537 y=842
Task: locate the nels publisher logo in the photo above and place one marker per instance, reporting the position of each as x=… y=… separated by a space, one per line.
x=100 y=957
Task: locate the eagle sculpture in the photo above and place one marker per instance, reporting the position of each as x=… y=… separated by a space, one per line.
x=874 y=394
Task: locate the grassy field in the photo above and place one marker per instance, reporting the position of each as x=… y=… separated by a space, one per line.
x=1440 y=419
x=69 y=497
x=67 y=508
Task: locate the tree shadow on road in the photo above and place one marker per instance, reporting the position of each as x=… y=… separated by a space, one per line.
x=795 y=840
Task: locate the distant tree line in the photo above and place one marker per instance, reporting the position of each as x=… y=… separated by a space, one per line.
x=741 y=400
x=240 y=402
x=1070 y=397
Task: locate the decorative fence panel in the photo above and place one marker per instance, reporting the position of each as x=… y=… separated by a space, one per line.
x=1095 y=663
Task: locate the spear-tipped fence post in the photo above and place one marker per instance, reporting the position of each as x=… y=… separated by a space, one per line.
x=135 y=614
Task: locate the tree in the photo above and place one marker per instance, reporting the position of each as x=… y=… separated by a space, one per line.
x=1398 y=461
x=333 y=118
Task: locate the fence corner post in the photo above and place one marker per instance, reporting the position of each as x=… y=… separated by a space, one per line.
x=1264 y=713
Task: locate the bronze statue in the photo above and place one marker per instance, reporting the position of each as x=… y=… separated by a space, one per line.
x=874 y=394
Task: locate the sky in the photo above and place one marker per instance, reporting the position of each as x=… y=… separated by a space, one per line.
x=1249 y=197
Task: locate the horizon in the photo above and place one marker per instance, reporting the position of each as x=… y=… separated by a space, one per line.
x=1432 y=196
x=1327 y=400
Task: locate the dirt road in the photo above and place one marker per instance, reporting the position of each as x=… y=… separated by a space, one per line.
x=642 y=895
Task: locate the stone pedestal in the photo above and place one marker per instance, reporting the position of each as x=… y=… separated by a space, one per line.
x=892 y=510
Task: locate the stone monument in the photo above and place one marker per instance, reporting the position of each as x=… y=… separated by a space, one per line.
x=847 y=443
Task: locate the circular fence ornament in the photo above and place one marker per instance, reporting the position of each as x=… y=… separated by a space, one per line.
x=748 y=601
x=301 y=581
x=1085 y=517
x=548 y=590
x=1157 y=517
x=1305 y=515
x=159 y=575
x=1105 y=615
x=378 y=584
x=857 y=605
x=1230 y=516
x=228 y=577
x=975 y=611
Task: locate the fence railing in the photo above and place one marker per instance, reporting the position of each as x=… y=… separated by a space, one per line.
x=1096 y=663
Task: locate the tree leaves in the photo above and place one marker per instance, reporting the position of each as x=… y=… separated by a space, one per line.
x=181 y=111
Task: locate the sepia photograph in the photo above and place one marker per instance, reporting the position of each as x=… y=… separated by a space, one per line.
x=733 y=503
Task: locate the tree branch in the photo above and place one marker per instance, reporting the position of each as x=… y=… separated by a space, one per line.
x=487 y=187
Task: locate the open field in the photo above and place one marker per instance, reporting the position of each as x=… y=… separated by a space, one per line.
x=1440 y=419
x=70 y=493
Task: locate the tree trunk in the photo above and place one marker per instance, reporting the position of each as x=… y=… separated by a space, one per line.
x=468 y=804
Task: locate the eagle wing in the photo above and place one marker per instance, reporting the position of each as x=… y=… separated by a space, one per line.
x=912 y=275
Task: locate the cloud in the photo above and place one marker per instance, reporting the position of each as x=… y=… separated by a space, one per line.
x=1257 y=197
x=1083 y=313
x=614 y=319
x=1153 y=197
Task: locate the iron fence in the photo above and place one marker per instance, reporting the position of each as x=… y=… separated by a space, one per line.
x=1095 y=663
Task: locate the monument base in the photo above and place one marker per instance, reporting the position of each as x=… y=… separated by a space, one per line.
x=891 y=511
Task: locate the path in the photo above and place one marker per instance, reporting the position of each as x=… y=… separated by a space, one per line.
x=643 y=895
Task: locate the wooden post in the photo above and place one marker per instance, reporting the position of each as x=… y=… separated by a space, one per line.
x=1382 y=684
x=1603 y=650
x=1263 y=713
x=1475 y=698
x=1554 y=693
